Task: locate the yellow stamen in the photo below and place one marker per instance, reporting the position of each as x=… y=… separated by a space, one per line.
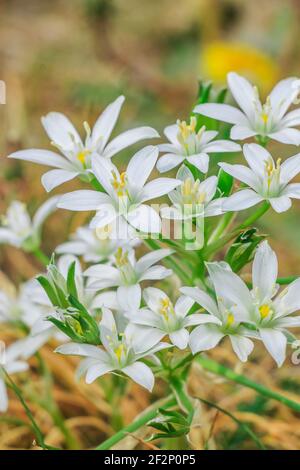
x=230 y=320
x=166 y=307
x=264 y=311
x=121 y=258
x=119 y=351
x=119 y=184
x=82 y=154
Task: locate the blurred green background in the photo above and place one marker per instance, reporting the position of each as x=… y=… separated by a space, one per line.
x=77 y=56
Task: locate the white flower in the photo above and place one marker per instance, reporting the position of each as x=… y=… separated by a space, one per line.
x=193 y=198
x=118 y=354
x=128 y=272
x=19 y=230
x=267 y=120
x=227 y=313
x=125 y=193
x=97 y=245
x=268 y=180
x=272 y=315
x=162 y=318
x=11 y=363
x=186 y=144
x=76 y=154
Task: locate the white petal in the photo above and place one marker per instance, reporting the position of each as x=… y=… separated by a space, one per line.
x=106 y=215
x=291 y=119
x=180 y=338
x=83 y=200
x=220 y=146
x=288 y=322
x=145 y=219
x=3 y=397
x=85 y=350
x=264 y=272
x=105 y=299
x=292 y=190
x=287 y=136
x=243 y=93
x=289 y=299
x=242 y=346
x=168 y=161
x=205 y=337
x=97 y=370
x=183 y=305
x=141 y=374
x=106 y=122
x=60 y=130
x=103 y=271
x=102 y=168
x=275 y=342
x=230 y=288
x=156 y=273
x=202 y=298
x=159 y=187
x=282 y=96
x=171 y=132
x=141 y=165
x=152 y=258
x=144 y=337
x=242 y=173
x=44 y=157
x=128 y=138
x=256 y=156
x=129 y=297
x=8 y=236
x=201 y=319
x=241 y=132
x=222 y=112
x=281 y=203
x=200 y=161
x=44 y=211
x=290 y=168
x=241 y=200
x=54 y=178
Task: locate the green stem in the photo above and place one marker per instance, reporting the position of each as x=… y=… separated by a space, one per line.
x=40 y=256
x=182 y=397
x=222 y=225
x=229 y=374
x=141 y=420
x=223 y=240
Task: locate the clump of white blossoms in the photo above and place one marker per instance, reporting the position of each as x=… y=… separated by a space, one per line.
x=142 y=302
x=76 y=154
x=187 y=144
x=267 y=121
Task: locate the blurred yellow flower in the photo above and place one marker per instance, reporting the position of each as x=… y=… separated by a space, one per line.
x=218 y=58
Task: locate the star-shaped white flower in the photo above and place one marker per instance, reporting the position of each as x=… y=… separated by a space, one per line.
x=125 y=194
x=117 y=355
x=192 y=146
x=127 y=271
x=76 y=154
x=226 y=313
x=272 y=313
x=193 y=198
x=269 y=120
x=162 y=318
x=267 y=180
x=97 y=245
x=19 y=229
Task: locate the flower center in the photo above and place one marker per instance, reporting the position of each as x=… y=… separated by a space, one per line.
x=230 y=320
x=190 y=192
x=127 y=271
x=82 y=154
x=272 y=175
x=188 y=137
x=166 y=308
x=119 y=184
x=120 y=351
x=265 y=310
